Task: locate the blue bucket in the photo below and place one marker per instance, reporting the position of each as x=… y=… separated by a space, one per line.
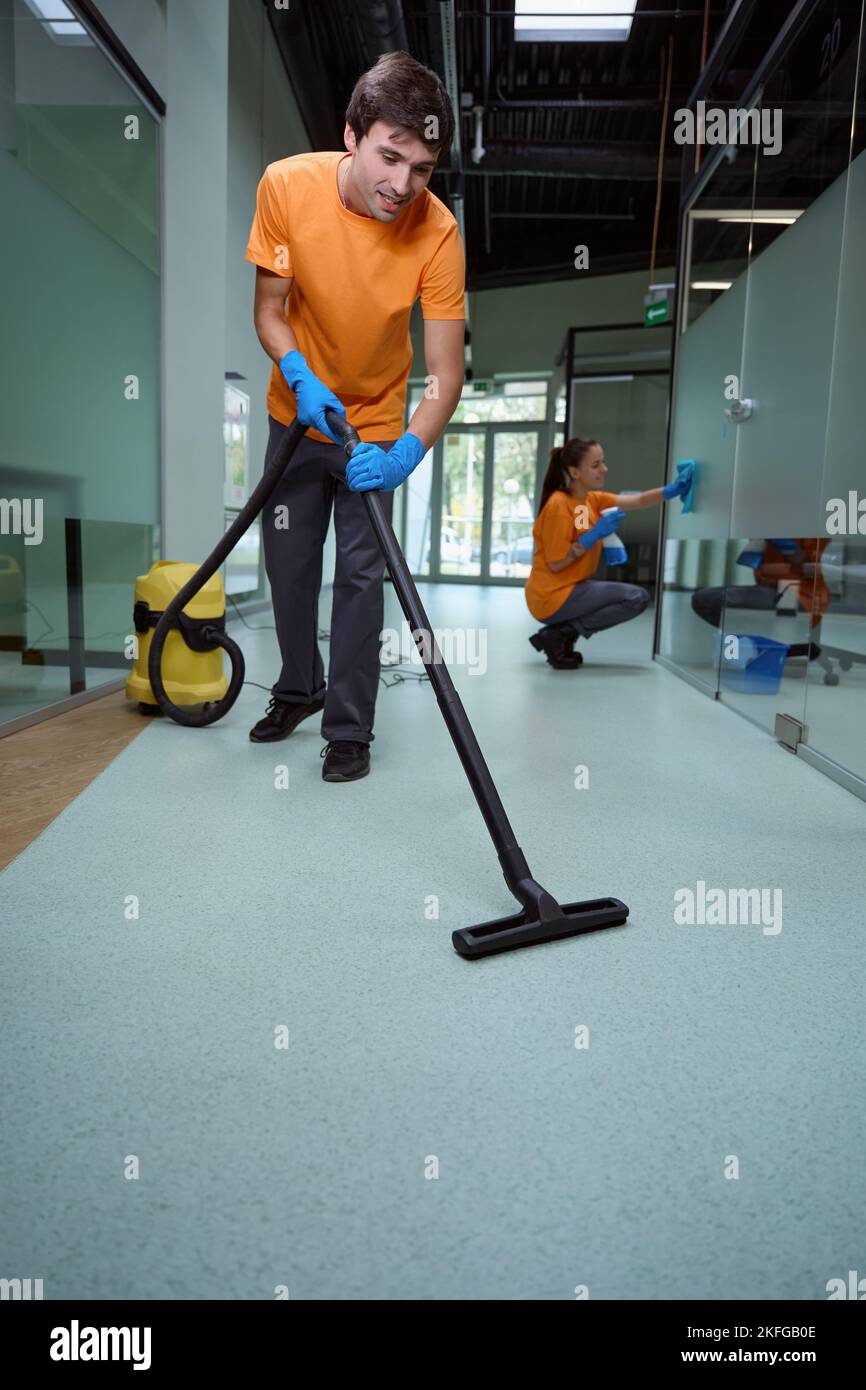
x=757 y=667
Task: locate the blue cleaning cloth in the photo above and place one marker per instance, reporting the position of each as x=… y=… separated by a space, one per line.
x=687 y=470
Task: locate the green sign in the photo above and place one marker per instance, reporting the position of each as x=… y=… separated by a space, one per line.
x=656 y=313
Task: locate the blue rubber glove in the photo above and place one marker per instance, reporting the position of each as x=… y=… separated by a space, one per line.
x=753 y=554
x=371 y=467
x=311 y=394
x=605 y=526
x=676 y=489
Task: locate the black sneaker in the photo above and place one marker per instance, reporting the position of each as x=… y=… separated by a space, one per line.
x=282 y=718
x=570 y=635
x=345 y=760
x=557 y=643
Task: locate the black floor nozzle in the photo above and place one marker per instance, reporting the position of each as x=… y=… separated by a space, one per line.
x=522 y=929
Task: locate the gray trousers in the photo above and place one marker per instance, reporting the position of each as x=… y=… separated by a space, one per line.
x=708 y=603
x=595 y=604
x=314 y=482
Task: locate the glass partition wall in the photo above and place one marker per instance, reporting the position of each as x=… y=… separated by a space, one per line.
x=763 y=585
x=79 y=360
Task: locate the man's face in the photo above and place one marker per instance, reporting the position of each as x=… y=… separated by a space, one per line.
x=389 y=169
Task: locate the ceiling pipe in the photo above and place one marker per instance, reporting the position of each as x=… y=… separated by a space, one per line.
x=450 y=78
x=448 y=30
x=485 y=96
x=528 y=160
x=638 y=14
x=576 y=104
x=565 y=216
x=478 y=150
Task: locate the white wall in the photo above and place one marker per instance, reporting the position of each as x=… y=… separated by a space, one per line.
x=194 y=270
x=264 y=124
x=182 y=47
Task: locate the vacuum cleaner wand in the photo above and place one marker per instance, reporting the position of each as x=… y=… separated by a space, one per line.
x=542 y=918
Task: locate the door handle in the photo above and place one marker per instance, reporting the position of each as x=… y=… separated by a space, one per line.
x=740 y=411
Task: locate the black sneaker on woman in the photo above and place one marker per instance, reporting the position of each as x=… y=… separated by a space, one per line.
x=557 y=642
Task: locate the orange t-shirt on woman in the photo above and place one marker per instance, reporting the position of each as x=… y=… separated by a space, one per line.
x=559 y=523
x=813 y=593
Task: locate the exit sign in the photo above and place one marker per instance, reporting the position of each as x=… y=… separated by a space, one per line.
x=656 y=313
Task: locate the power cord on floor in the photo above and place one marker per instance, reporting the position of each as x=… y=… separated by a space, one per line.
x=32 y=646
x=396 y=669
x=254 y=627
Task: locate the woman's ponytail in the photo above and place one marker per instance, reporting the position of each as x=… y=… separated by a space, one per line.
x=563 y=457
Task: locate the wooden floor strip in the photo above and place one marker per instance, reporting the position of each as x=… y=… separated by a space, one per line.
x=44 y=767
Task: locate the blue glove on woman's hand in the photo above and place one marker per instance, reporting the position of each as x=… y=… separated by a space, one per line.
x=605 y=526
x=311 y=394
x=675 y=489
x=371 y=467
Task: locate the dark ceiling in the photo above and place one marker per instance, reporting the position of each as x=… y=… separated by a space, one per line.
x=571 y=131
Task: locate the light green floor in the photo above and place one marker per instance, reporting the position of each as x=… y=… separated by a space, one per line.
x=305 y=907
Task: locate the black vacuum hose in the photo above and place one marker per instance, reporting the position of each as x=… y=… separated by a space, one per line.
x=192 y=716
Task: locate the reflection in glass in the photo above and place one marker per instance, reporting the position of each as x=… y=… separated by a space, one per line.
x=837 y=681
x=761 y=599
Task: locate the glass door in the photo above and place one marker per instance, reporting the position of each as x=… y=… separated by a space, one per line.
x=833 y=736
x=788 y=356
x=764 y=582
x=462 y=509
x=468 y=510
x=698 y=563
x=510 y=507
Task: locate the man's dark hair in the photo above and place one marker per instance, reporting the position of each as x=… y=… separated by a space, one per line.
x=400 y=90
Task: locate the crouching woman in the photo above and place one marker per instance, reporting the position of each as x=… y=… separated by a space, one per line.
x=569 y=532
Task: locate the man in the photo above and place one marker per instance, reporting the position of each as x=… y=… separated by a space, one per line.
x=344 y=244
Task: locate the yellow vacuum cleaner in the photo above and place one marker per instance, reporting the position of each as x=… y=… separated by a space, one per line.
x=192 y=659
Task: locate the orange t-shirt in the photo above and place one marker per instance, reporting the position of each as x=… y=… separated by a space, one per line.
x=813 y=592
x=558 y=524
x=355 y=281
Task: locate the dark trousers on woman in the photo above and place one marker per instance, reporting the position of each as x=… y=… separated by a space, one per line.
x=596 y=604
x=294 y=526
